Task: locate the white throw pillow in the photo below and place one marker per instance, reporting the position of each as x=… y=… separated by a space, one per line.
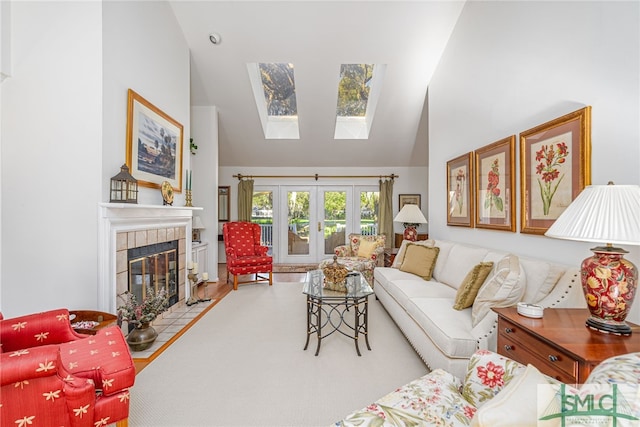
x=502 y=289
x=520 y=403
x=397 y=261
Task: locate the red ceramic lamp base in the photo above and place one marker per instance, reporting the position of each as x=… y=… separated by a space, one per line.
x=609 y=283
x=410 y=233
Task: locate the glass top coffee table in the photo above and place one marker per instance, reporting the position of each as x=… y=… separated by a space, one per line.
x=328 y=309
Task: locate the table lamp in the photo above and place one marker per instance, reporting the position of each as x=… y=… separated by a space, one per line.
x=410 y=216
x=608 y=214
x=196 y=227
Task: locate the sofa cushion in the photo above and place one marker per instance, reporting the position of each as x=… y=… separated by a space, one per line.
x=460 y=260
x=448 y=329
x=503 y=289
x=541 y=276
x=404 y=290
x=397 y=261
x=520 y=403
x=419 y=260
x=430 y=400
x=469 y=288
x=487 y=374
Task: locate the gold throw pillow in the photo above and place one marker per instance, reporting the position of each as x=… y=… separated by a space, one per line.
x=420 y=260
x=367 y=247
x=469 y=288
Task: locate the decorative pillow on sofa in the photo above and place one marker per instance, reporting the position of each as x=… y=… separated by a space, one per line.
x=471 y=284
x=420 y=260
x=367 y=247
x=397 y=261
x=520 y=403
x=503 y=289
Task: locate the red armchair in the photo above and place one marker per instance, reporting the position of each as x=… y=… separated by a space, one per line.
x=53 y=376
x=245 y=254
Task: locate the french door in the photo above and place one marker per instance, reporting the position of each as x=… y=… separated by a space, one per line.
x=315 y=219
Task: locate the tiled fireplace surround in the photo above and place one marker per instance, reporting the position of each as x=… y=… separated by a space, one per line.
x=130 y=226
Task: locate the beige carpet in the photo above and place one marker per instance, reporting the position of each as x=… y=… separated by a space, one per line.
x=243 y=364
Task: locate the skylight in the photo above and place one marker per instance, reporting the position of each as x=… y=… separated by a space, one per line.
x=358 y=92
x=274 y=90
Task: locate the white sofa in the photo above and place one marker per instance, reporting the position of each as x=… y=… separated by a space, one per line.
x=446 y=338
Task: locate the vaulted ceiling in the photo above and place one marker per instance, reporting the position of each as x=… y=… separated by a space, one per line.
x=316 y=37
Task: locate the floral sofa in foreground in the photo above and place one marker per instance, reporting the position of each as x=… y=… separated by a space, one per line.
x=498 y=391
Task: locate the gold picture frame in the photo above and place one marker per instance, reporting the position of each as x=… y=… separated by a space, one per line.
x=555 y=166
x=408 y=199
x=495 y=178
x=156 y=155
x=460 y=198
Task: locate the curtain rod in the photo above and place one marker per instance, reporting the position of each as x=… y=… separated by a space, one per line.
x=316 y=176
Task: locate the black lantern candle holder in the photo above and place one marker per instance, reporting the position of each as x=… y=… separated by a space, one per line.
x=124 y=187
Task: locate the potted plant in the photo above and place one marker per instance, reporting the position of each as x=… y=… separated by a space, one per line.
x=141 y=315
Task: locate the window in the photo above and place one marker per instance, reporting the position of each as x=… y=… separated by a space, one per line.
x=274 y=90
x=358 y=92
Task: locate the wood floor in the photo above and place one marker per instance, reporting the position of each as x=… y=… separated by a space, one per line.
x=220 y=289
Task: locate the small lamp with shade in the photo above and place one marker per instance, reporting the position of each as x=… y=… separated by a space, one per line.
x=608 y=214
x=410 y=216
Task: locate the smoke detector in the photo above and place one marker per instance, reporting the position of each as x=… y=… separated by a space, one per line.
x=215 y=38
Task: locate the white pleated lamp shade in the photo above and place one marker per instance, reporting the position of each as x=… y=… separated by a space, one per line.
x=410 y=214
x=197 y=223
x=601 y=214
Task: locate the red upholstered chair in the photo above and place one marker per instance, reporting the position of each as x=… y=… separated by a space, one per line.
x=245 y=254
x=52 y=376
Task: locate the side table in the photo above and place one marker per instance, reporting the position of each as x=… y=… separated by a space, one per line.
x=390 y=255
x=559 y=344
x=103 y=319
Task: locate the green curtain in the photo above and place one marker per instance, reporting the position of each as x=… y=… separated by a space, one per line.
x=245 y=199
x=385 y=215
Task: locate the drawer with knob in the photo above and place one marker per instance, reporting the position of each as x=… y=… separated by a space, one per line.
x=519 y=345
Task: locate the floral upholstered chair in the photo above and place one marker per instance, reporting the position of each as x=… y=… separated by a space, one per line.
x=361 y=253
x=245 y=253
x=53 y=376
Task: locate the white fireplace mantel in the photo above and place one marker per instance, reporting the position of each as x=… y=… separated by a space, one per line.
x=122 y=217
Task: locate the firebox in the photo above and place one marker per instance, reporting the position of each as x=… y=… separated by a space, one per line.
x=155 y=266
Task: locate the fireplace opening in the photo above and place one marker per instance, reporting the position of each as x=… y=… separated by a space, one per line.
x=155 y=266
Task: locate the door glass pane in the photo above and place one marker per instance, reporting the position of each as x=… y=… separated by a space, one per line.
x=262 y=213
x=298 y=222
x=369 y=202
x=335 y=209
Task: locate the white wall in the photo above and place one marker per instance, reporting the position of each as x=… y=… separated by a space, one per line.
x=204 y=128
x=63 y=135
x=51 y=156
x=145 y=50
x=510 y=66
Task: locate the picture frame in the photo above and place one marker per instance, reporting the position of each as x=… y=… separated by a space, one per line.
x=156 y=155
x=460 y=200
x=408 y=199
x=552 y=178
x=495 y=178
x=224 y=203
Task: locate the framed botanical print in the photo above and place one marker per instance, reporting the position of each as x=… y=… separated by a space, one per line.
x=459 y=191
x=555 y=166
x=408 y=199
x=495 y=181
x=154 y=144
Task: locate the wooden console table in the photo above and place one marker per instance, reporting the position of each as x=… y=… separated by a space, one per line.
x=559 y=344
x=399 y=237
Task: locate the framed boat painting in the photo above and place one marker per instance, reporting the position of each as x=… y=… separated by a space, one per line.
x=555 y=166
x=459 y=188
x=154 y=144
x=495 y=183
